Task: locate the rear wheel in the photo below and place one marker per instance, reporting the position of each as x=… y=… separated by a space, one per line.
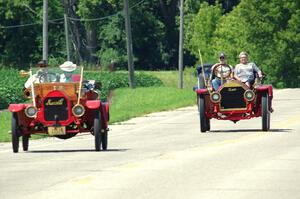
x=25 y=142
x=97 y=129
x=265 y=112
x=203 y=119
x=15 y=132
x=207 y=124
x=104 y=140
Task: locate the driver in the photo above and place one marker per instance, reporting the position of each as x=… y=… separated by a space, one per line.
x=68 y=67
x=216 y=81
x=35 y=77
x=244 y=71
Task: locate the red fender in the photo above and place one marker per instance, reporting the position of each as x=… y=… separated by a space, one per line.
x=201 y=91
x=17 y=107
x=267 y=88
x=93 y=104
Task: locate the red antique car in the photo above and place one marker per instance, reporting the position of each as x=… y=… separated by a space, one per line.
x=60 y=109
x=233 y=100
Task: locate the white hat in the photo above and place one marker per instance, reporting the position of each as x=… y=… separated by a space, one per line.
x=68 y=66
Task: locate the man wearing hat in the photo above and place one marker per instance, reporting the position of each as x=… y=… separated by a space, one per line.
x=215 y=81
x=35 y=77
x=68 y=67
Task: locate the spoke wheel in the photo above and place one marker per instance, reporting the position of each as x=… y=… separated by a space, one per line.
x=25 y=142
x=265 y=112
x=104 y=140
x=203 y=119
x=207 y=124
x=97 y=130
x=15 y=132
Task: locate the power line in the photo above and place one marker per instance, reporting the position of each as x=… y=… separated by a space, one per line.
x=18 y=26
x=137 y=4
x=53 y=21
x=106 y=17
x=94 y=19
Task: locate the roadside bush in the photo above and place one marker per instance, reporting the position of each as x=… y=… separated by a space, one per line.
x=11 y=85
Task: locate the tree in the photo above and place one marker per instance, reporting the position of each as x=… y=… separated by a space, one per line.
x=268 y=31
x=21 y=45
x=200 y=31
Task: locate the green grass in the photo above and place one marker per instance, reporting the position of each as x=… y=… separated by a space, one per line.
x=128 y=103
x=171 y=78
x=5 y=125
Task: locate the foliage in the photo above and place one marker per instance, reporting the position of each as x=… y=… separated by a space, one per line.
x=11 y=86
x=269 y=31
x=22 y=46
x=200 y=31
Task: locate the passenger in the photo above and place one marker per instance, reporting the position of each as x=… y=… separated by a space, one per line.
x=216 y=81
x=245 y=71
x=36 y=77
x=68 y=67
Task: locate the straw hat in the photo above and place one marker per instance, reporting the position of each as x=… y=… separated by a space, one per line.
x=68 y=66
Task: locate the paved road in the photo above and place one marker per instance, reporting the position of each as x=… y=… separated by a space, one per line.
x=164 y=155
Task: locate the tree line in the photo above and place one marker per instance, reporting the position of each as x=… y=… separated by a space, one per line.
x=268 y=30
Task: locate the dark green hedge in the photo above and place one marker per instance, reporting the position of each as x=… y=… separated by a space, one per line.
x=11 y=84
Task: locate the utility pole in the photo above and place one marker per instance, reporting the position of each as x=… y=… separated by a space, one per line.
x=180 y=59
x=45 y=30
x=129 y=45
x=67 y=37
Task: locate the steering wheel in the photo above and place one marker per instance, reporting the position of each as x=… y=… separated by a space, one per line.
x=48 y=77
x=222 y=71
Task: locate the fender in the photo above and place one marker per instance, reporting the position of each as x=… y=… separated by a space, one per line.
x=267 y=88
x=201 y=91
x=93 y=104
x=17 y=107
x=105 y=113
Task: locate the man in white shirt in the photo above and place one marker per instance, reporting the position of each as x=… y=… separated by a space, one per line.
x=245 y=71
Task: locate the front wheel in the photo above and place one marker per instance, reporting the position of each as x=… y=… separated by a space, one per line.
x=104 y=140
x=97 y=130
x=25 y=142
x=203 y=118
x=15 y=132
x=265 y=112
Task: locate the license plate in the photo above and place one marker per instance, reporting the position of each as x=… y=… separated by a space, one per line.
x=60 y=130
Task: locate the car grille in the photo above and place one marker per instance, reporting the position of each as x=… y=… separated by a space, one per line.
x=55 y=108
x=232 y=98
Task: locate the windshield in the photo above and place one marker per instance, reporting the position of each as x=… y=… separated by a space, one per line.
x=50 y=74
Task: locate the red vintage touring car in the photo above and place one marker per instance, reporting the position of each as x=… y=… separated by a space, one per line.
x=60 y=109
x=233 y=100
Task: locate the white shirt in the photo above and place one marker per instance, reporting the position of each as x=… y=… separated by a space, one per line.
x=246 y=71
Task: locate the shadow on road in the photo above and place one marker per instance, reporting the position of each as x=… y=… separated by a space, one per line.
x=251 y=130
x=77 y=150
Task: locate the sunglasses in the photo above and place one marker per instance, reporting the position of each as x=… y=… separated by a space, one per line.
x=222 y=58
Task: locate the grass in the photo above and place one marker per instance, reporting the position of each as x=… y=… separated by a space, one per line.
x=5 y=125
x=128 y=103
x=171 y=78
